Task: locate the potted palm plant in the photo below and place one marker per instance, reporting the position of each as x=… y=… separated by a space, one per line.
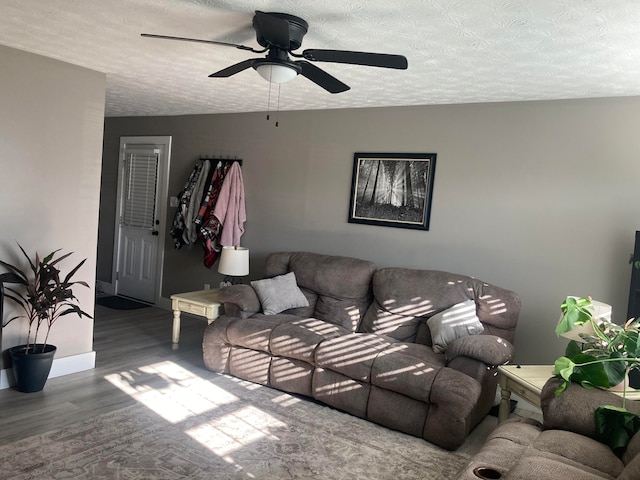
x=601 y=358
x=43 y=297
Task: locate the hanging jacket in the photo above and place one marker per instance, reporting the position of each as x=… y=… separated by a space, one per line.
x=179 y=227
x=230 y=207
x=194 y=204
x=209 y=228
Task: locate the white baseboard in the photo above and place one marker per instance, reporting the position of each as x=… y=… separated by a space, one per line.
x=60 y=367
x=4 y=379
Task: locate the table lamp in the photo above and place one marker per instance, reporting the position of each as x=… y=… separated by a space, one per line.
x=234 y=263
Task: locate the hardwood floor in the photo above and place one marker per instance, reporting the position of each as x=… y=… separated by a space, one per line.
x=125 y=342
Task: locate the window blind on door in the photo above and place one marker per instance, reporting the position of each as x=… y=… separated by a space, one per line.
x=139 y=193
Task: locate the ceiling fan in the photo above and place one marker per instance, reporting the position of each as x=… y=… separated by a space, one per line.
x=280 y=34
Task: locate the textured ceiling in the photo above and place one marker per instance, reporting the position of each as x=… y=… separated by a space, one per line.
x=458 y=51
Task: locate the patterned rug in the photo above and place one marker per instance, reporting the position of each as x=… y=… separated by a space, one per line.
x=228 y=429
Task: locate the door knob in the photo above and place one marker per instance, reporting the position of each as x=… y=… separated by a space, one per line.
x=154 y=232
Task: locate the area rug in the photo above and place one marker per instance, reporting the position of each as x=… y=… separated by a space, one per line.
x=119 y=303
x=239 y=432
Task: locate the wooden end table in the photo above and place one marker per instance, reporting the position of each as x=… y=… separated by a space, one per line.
x=203 y=303
x=526 y=381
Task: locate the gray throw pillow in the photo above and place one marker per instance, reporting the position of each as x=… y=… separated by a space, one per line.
x=455 y=322
x=279 y=293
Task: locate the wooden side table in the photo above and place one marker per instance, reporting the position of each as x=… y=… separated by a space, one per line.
x=203 y=303
x=525 y=381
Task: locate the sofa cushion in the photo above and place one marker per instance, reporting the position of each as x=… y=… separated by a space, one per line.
x=300 y=338
x=250 y=364
x=579 y=449
x=538 y=467
x=255 y=332
x=352 y=355
x=386 y=319
x=279 y=293
x=306 y=312
x=291 y=375
x=342 y=284
x=341 y=392
x=517 y=430
x=455 y=322
x=407 y=368
x=403 y=297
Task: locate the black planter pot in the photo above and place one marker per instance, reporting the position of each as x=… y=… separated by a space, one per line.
x=31 y=370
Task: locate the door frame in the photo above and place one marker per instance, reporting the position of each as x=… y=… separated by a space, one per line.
x=163 y=196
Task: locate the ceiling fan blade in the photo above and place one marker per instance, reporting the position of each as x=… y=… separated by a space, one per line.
x=320 y=77
x=275 y=30
x=214 y=42
x=357 y=58
x=233 y=69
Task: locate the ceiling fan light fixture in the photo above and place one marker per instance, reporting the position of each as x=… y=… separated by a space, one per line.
x=276 y=72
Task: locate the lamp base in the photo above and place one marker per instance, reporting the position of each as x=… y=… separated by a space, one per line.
x=230 y=280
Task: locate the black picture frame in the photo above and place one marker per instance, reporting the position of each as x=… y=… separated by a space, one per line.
x=392 y=189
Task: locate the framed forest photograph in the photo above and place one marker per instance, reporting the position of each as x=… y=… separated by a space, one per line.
x=392 y=189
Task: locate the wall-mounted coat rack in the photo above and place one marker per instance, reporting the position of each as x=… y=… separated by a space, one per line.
x=221 y=159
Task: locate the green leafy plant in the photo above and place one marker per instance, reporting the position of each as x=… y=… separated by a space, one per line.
x=603 y=360
x=45 y=296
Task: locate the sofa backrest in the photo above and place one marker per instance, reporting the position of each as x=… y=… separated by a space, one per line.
x=404 y=299
x=338 y=288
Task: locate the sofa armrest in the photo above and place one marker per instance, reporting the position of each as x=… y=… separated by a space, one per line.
x=239 y=300
x=489 y=349
x=573 y=409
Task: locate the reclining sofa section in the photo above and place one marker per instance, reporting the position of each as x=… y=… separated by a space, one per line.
x=363 y=345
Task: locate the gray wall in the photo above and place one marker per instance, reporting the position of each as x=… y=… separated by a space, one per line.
x=51 y=125
x=539 y=197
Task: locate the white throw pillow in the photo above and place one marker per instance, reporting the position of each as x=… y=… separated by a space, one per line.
x=455 y=322
x=279 y=293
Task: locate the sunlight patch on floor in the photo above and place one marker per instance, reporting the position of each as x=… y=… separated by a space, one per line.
x=177 y=394
x=226 y=434
x=171 y=391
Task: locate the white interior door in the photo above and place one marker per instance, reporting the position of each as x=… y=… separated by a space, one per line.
x=141 y=198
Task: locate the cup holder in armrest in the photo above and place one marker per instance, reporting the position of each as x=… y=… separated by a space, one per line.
x=487 y=473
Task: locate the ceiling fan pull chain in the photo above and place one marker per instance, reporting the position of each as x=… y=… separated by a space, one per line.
x=269 y=99
x=278 y=106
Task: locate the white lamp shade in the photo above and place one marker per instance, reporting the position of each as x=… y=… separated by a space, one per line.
x=234 y=261
x=275 y=73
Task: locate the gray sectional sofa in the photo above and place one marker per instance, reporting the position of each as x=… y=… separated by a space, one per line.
x=563 y=447
x=413 y=350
